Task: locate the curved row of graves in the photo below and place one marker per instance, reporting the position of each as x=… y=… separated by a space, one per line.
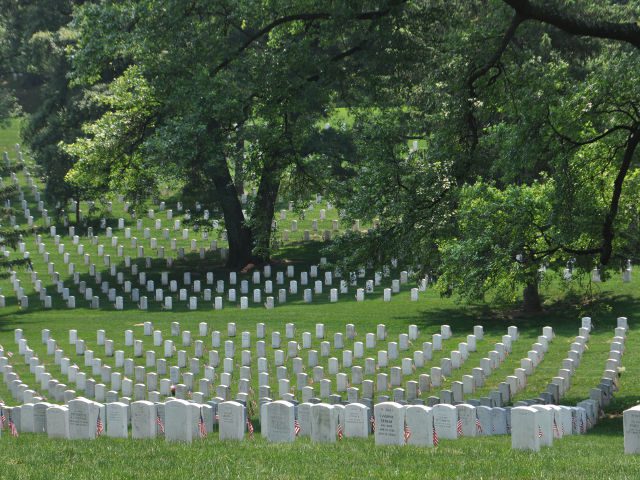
x=132 y=266
x=531 y=423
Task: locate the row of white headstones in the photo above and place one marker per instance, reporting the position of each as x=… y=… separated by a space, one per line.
x=177 y=223
x=409 y=365
x=142 y=301
x=196 y=286
x=283 y=421
x=99 y=391
x=206 y=216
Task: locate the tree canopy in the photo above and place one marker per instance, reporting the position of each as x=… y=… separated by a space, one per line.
x=484 y=140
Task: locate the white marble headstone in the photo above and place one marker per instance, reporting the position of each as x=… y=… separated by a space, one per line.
x=389 y=418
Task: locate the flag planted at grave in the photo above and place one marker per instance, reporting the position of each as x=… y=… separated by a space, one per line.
x=160 y=423
x=202 y=429
x=407 y=433
x=99 y=426
x=435 y=434
x=13 y=429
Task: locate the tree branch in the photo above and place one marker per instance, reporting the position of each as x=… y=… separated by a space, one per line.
x=625 y=32
x=483 y=70
x=607 y=229
x=589 y=141
x=504 y=43
x=305 y=17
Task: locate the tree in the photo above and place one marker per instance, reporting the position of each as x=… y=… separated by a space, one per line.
x=19 y=23
x=37 y=37
x=265 y=71
x=506 y=100
x=7 y=99
x=500 y=245
x=59 y=117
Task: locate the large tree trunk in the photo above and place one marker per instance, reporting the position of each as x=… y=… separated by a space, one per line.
x=531 y=302
x=264 y=208
x=238 y=166
x=239 y=234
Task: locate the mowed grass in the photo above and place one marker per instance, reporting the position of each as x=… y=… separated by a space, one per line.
x=428 y=314
x=595 y=455
x=599 y=454
x=10 y=135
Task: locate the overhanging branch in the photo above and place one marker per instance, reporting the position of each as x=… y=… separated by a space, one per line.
x=304 y=17
x=572 y=24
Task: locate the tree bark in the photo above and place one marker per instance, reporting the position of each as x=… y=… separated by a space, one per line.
x=264 y=208
x=531 y=302
x=577 y=24
x=239 y=234
x=238 y=165
x=608 y=231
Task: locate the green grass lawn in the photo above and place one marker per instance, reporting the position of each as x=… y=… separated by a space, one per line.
x=599 y=454
x=596 y=455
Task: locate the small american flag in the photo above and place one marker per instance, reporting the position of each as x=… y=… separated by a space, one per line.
x=160 y=424
x=201 y=427
x=3 y=418
x=539 y=432
x=296 y=427
x=478 y=425
x=435 y=434
x=574 y=423
x=582 y=429
x=459 y=428
x=372 y=420
x=99 y=426
x=9 y=354
x=556 y=430
x=340 y=432
x=407 y=433
x=250 y=428
x=13 y=429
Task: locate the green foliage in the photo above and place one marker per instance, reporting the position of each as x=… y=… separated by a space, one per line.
x=105 y=163
x=501 y=241
x=193 y=94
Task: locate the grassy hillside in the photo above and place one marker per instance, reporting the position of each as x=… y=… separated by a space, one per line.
x=599 y=454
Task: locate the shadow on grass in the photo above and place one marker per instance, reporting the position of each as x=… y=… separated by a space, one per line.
x=562 y=315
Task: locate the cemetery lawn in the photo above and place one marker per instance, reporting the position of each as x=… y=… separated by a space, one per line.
x=595 y=455
x=599 y=454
